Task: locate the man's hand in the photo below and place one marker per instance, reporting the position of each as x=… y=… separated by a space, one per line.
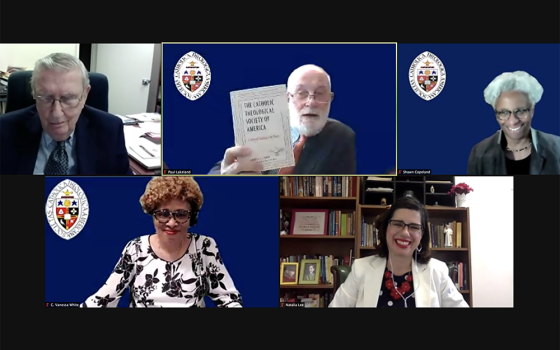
x=231 y=165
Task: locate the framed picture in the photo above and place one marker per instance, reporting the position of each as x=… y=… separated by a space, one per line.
x=310 y=270
x=308 y=222
x=289 y=273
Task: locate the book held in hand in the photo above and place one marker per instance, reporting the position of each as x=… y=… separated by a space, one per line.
x=261 y=122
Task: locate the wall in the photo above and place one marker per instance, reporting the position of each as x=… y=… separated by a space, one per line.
x=491 y=214
x=126 y=66
x=26 y=54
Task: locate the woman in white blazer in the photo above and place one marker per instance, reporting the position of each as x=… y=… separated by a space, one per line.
x=402 y=274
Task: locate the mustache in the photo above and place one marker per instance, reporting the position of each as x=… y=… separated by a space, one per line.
x=309 y=111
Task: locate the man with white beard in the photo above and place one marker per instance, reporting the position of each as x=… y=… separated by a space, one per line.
x=321 y=145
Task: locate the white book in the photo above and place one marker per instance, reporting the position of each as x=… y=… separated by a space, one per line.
x=261 y=122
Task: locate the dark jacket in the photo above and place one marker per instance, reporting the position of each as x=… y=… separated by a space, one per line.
x=488 y=158
x=100 y=146
x=331 y=152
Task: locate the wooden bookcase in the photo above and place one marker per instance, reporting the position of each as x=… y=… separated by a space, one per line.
x=367 y=205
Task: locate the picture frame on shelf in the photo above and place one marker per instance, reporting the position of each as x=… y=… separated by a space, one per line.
x=309 y=222
x=289 y=273
x=310 y=270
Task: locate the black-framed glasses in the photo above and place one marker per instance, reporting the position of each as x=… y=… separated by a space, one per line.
x=305 y=96
x=412 y=228
x=65 y=101
x=163 y=216
x=520 y=113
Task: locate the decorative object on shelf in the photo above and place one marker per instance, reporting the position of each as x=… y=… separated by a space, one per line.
x=448 y=236
x=460 y=192
x=432 y=189
x=286 y=218
x=289 y=273
x=383 y=201
x=409 y=194
x=436 y=204
x=309 y=222
x=309 y=271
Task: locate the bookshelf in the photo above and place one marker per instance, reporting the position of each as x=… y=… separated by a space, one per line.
x=365 y=203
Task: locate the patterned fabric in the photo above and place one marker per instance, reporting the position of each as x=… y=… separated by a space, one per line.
x=154 y=282
x=58 y=160
x=298 y=148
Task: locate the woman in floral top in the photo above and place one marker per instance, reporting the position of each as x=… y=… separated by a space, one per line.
x=173 y=267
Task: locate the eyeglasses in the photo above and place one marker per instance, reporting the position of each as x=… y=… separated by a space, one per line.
x=412 y=228
x=163 y=216
x=520 y=113
x=67 y=102
x=305 y=96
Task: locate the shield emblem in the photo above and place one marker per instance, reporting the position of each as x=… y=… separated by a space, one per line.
x=192 y=82
x=67 y=212
x=427 y=79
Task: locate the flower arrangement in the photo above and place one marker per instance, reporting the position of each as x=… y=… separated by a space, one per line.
x=461 y=188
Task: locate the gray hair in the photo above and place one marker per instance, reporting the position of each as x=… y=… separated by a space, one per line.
x=308 y=67
x=62 y=62
x=514 y=81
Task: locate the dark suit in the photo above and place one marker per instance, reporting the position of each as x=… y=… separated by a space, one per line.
x=331 y=152
x=488 y=157
x=100 y=146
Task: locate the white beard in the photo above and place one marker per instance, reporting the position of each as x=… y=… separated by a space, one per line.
x=308 y=126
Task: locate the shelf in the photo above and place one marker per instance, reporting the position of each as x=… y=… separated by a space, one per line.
x=307 y=286
x=315 y=237
x=319 y=198
x=449 y=249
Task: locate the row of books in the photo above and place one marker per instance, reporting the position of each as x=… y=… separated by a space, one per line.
x=370 y=235
x=319 y=186
x=438 y=235
x=308 y=300
x=326 y=261
x=458 y=274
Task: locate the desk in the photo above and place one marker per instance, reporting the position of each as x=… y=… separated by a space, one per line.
x=136 y=167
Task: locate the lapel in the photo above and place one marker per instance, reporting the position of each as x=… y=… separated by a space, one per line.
x=422 y=285
x=373 y=281
x=82 y=143
x=307 y=162
x=29 y=146
x=537 y=161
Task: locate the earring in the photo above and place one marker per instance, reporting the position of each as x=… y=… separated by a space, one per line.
x=419 y=248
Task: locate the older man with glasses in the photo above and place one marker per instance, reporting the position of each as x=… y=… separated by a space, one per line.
x=60 y=135
x=321 y=145
x=516 y=149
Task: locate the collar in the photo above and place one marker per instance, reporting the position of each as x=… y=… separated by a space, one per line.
x=295 y=135
x=47 y=140
x=534 y=139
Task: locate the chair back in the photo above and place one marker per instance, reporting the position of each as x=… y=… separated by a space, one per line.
x=19 y=91
x=340 y=273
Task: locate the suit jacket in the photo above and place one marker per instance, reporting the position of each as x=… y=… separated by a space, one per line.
x=100 y=146
x=331 y=152
x=432 y=285
x=488 y=158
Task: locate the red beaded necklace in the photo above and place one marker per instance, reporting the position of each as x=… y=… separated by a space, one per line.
x=398 y=292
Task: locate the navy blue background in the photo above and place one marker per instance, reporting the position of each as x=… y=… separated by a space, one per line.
x=197 y=133
x=240 y=213
x=439 y=134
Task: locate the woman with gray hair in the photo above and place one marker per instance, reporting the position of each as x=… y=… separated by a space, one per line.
x=516 y=149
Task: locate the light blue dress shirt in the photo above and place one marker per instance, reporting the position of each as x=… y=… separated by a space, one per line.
x=295 y=136
x=47 y=146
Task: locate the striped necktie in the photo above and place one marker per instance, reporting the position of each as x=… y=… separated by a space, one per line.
x=298 y=147
x=58 y=160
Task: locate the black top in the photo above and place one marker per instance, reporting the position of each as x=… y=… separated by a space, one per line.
x=518 y=167
x=388 y=299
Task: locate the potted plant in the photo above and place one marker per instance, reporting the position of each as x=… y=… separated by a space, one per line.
x=460 y=192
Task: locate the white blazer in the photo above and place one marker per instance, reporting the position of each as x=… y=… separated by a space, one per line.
x=432 y=285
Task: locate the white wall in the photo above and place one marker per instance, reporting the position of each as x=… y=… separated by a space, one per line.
x=491 y=214
x=25 y=55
